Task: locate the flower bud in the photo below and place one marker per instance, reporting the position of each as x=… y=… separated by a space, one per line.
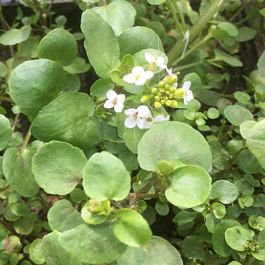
x=179 y=93
x=169 y=103
x=171 y=79
x=145 y=98
x=154 y=90
x=174 y=104
x=161 y=84
x=157 y=105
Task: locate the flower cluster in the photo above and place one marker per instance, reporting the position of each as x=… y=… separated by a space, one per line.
x=165 y=93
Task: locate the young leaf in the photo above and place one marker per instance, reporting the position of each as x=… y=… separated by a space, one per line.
x=237 y=114
x=57 y=167
x=131 y=228
x=5 y=132
x=173 y=140
x=190 y=186
x=105 y=177
x=101 y=44
x=15 y=36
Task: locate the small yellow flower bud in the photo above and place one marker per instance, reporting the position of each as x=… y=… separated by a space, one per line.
x=172 y=89
x=171 y=79
x=157 y=105
x=162 y=90
x=169 y=103
x=167 y=92
x=174 y=104
x=145 y=99
x=157 y=98
x=162 y=101
x=159 y=94
x=170 y=96
x=167 y=86
x=154 y=90
x=179 y=93
x=161 y=84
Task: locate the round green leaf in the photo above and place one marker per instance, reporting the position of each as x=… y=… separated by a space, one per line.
x=131 y=228
x=5 y=132
x=173 y=140
x=63 y=216
x=105 y=177
x=156 y=2
x=218 y=210
x=68 y=119
x=192 y=247
x=236 y=237
x=256 y=142
x=15 y=36
x=34 y=91
x=257 y=222
x=248 y=163
x=57 y=167
x=58 y=45
x=157 y=252
x=101 y=44
x=190 y=186
x=245 y=128
x=18 y=173
x=224 y=191
x=119 y=14
x=35 y=252
x=237 y=114
x=54 y=253
x=218 y=239
x=138 y=38
x=92 y=244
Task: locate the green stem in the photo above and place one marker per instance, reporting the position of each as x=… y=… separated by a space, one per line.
x=197 y=28
x=182 y=19
x=26 y=140
x=175 y=17
x=183 y=67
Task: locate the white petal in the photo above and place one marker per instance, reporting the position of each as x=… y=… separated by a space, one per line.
x=186 y=85
x=148 y=75
x=188 y=97
x=160 y=62
x=147 y=124
x=129 y=78
x=111 y=94
x=169 y=71
x=108 y=104
x=140 y=80
x=130 y=112
x=175 y=85
x=121 y=98
x=149 y=57
x=130 y=123
x=160 y=118
x=118 y=107
x=140 y=123
x=137 y=70
x=144 y=112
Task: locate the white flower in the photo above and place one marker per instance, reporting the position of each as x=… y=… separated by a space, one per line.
x=188 y=95
x=114 y=101
x=160 y=118
x=137 y=117
x=138 y=76
x=159 y=61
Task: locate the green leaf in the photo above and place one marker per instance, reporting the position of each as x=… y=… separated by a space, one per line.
x=92 y=244
x=63 y=216
x=261 y=63
x=101 y=44
x=131 y=228
x=68 y=119
x=138 y=38
x=256 y=142
x=156 y=2
x=229 y=28
x=78 y=66
x=227 y=58
x=245 y=34
x=32 y=94
x=245 y=128
x=17 y=171
x=105 y=177
x=248 y=163
x=119 y=14
x=58 y=166
x=25 y=225
x=100 y=88
x=132 y=138
x=54 y=253
x=218 y=239
x=236 y=237
x=157 y=252
x=224 y=191
x=35 y=252
x=257 y=222
x=173 y=140
x=190 y=186
x=192 y=247
x=237 y=114
x=218 y=210
x=15 y=36
x=5 y=132
x=58 y=45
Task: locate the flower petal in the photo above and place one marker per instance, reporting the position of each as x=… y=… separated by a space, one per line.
x=140 y=123
x=144 y=112
x=129 y=78
x=121 y=98
x=161 y=118
x=140 y=81
x=160 y=62
x=149 y=57
x=148 y=75
x=111 y=94
x=130 y=112
x=186 y=85
x=137 y=70
x=130 y=123
x=188 y=96
x=108 y=104
x=118 y=107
